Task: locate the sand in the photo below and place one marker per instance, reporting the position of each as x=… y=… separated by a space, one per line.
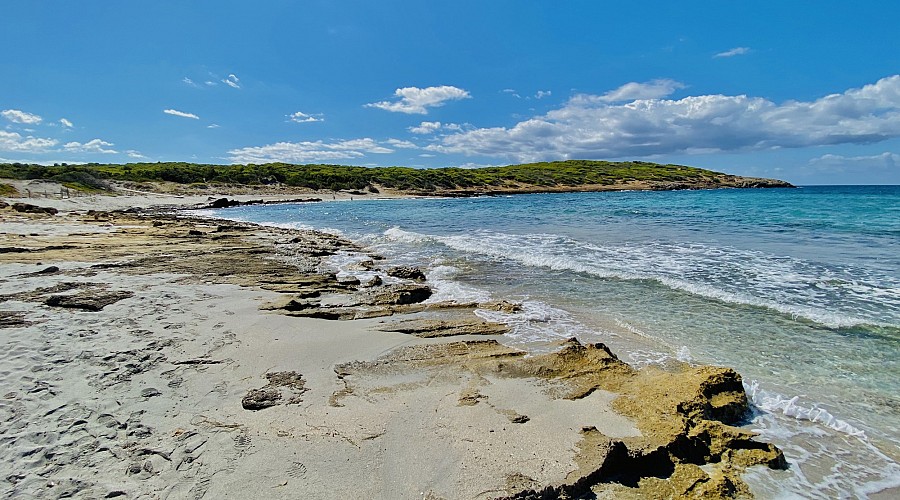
x=128 y=366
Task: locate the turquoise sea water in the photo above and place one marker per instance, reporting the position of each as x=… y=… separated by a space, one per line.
x=797 y=289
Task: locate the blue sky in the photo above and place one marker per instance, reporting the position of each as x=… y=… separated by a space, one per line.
x=804 y=91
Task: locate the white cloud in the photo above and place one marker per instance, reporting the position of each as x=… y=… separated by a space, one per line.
x=92 y=146
x=654 y=89
x=301 y=117
x=213 y=125
x=426 y=128
x=511 y=92
x=426 y=155
x=397 y=143
x=737 y=51
x=542 y=94
x=12 y=141
x=307 y=151
x=175 y=112
x=188 y=81
x=19 y=116
x=588 y=126
x=66 y=123
x=884 y=160
x=135 y=154
x=232 y=81
x=210 y=83
x=414 y=100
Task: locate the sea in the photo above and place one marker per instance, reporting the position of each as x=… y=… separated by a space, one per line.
x=796 y=289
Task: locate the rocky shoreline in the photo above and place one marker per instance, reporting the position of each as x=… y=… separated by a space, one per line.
x=153 y=354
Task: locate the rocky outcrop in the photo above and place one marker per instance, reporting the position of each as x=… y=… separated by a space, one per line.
x=89 y=300
x=407 y=273
x=283 y=388
x=227 y=203
x=682 y=416
x=429 y=328
x=33 y=209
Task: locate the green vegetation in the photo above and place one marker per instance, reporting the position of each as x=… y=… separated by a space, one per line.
x=8 y=190
x=559 y=174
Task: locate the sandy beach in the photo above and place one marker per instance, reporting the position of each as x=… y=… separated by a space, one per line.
x=154 y=354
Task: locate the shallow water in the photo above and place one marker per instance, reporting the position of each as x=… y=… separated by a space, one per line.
x=797 y=289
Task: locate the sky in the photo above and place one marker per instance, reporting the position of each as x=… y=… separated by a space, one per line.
x=805 y=91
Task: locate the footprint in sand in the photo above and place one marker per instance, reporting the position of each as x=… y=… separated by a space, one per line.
x=296 y=470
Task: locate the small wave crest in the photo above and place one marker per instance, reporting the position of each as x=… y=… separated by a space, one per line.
x=795 y=288
x=776 y=403
x=536 y=322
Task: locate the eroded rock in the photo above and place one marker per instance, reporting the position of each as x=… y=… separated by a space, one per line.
x=283 y=388
x=428 y=328
x=407 y=273
x=91 y=300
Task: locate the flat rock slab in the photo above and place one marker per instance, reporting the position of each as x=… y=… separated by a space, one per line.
x=89 y=300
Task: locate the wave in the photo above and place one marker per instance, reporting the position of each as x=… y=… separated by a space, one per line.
x=789 y=286
x=776 y=403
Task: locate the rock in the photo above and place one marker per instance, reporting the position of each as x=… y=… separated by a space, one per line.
x=223 y=203
x=283 y=388
x=3 y=204
x=258 y=399
x=88 y=300
x=408 y=273
x=396 y=295
x=519 y=419
x=366 y=265
x=376 y=281
x=501 y=306
x=13 y=319
x=150 y=392
x=429 y=328
x=33 y=209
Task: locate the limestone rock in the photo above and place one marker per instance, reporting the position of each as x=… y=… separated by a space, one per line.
x=407 y=273
x=283 y=388
x=91 y=300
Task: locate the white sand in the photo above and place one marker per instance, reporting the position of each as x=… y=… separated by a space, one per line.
x=96 y=403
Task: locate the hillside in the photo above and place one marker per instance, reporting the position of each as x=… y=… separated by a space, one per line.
x=561 y=176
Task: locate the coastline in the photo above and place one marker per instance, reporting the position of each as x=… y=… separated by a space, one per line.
x=393 y=399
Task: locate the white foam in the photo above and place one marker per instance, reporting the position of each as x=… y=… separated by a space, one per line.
x=729 y=275
x=537 y=322
x=773 y=402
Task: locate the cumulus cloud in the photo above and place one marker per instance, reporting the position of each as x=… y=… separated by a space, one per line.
x=653 y=89
x=213 y=125
x=12 y=141
x=175 y=112
x=19 y=116
x=589 y=126
x=737 y=51
x=66 y=123
x=426 y=128
x=92 y=146
x=397 y=143
x=301 y=117
x=135 y=154
x=413 y=100
x=542 y=94
x=232 y=81
x=307 y=151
